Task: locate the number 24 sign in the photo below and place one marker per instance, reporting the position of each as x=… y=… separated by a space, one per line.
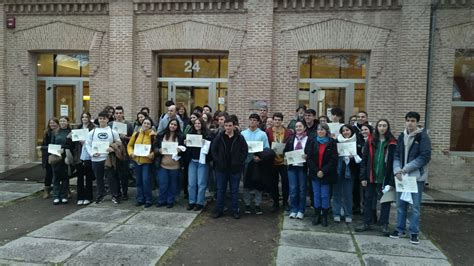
x=189 y=67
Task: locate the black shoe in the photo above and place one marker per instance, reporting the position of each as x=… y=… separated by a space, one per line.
x=247 y=209
x=198 y=207
x=169 y=206
x=396 y=234
x=216 y=215
x=236 y=215
x=115 y=200
x=414 y=239
x=190 y=207
x=148 y=205
x=363 y=228
x=138 y=204
x=99 y=200
x=317 y=216
x=258 y=210
x=158 y=205
x=324 y=221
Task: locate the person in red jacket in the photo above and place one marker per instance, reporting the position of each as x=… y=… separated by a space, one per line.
x=376 y=173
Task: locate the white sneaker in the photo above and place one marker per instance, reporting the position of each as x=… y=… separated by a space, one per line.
x=348 y=220
x=80 y=202
x=64 y=201
x=337 y=219
x=86 y=202
x=56 y=201
x=300 y=216
x=292 y=215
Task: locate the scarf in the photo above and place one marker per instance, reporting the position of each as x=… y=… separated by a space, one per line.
x=299 y=138
x=322 y=140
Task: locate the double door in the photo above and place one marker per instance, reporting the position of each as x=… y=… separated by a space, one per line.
x=324 y=96
x=193 y=93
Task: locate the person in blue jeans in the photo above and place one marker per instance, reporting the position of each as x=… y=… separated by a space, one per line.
x=322 y=163
x=168 y=163
x=229 y=151
x=144 y=136
x=297 y=173
x=347 y=168
x=198 y=168
x=412 y=156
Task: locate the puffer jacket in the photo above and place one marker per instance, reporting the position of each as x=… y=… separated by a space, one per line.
x=419 y=154
x=140 y=137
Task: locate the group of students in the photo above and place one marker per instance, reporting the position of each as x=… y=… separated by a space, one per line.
x=333 y=181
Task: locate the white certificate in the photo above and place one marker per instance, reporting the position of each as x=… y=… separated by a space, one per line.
x=295 y=157
x=142 y=149
x=334 y=128
x=388 y=197
x=278 y=147
x=408 y=184
x=169 y=148
x=121 y=128
x=79 y=134
x=194 y=140
x=347 y=149
x=100 y=147
x=54 y=149
x=255 y=146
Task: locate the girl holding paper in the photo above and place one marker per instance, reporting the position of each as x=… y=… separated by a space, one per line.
x=53 y=125
x=297 y=173
x=142 y=163
x=377 y=174
x=84 y=165
x=346 y=170
x=198 y=168
x=168 y=163
x=322 y=162
x=60 y=170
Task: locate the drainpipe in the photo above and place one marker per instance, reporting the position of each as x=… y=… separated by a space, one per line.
x=434 y=8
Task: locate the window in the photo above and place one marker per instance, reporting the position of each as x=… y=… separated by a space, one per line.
x=462 y=111
x=61 y=65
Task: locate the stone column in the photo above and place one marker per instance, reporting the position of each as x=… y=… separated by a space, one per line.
x=3 y=96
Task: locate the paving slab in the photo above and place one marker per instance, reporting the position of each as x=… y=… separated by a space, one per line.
x=41 y=250
x=143 y=235
x=305 y=225
x=74 y=230
x=376 y=260
x=6 y=196
x=21 y=187
x=17 y=263
x=402 y=247
x=101 y=215
x=130 y=205
x=118 y=254
x=317 y=240
x=288 y=255
x=164 y=219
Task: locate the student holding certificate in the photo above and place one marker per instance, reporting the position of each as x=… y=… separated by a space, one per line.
x=168 y=163
x=297 y=173
x=322 y=162
x=197 y=167
x=376 y=173
x=144 y=137
x=347 y=168
x=53 y=125
x=84 y=165
x=60 y=169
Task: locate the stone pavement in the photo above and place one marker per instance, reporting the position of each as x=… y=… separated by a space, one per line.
x=10 y=191
x=104 y=234
x=301 y=243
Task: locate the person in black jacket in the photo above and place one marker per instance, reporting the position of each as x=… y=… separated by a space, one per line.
x=229 y=151
x=376 y=172
x=322 y=162
x=53 y=125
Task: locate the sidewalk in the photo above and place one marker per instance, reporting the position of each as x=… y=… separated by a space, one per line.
x=102 y=234
x=301 y=243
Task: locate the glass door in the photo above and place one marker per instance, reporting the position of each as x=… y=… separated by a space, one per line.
x=325 y=96
x=64 y=98
x=192 y=94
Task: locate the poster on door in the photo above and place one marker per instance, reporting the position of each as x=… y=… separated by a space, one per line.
x=64 y=110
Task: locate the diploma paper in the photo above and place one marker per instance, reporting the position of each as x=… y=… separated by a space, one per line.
x=100 y=147
x=79 y=134
x=408 y=184
x=278 y=147
x=54 y=149
x=388 y=197
x=334 y=128
x=142 y=149
x=255 y=146
x=295 y=157
x=121 y=128
x=169 y=148
x=347 y=149
x=194 y=140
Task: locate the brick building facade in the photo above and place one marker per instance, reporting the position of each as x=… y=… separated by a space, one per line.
x=258 y=50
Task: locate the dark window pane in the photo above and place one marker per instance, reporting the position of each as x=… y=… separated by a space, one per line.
x=463 y=85
x=462 y=129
